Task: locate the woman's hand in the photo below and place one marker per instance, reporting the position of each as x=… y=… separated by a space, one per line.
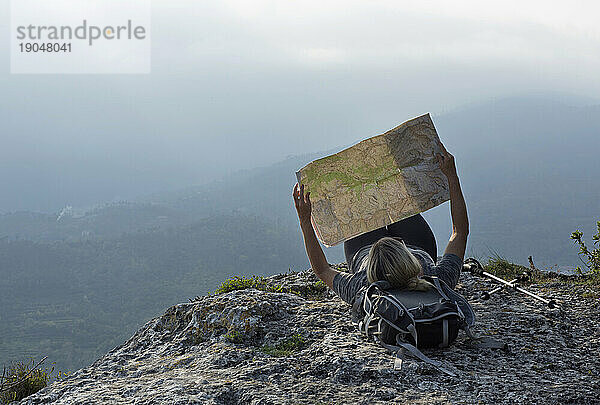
x=318 y=261
x=302 y=203
x=446 y=163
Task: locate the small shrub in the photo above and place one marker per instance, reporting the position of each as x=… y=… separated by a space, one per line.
x=235 y=337
x=33 y=380
x=242 y=283
x=590 y=258
x=502 y=268
x=318 y=288
x=591 y=294
x=285 y=347
x=314 y=290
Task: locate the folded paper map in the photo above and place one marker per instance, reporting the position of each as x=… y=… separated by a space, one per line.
x=376 y=182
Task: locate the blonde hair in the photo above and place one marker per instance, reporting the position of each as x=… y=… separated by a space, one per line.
x=390 y=259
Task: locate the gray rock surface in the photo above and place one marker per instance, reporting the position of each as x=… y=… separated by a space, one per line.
x=218 y=350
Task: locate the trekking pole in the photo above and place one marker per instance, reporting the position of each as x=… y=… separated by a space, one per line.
x=550 y=303
x=486 y=294
x=474 y=267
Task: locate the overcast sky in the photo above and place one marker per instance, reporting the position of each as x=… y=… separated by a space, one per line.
x=243 y=83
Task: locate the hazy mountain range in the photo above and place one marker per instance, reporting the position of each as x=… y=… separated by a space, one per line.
x=77 y=281
x=529 y=169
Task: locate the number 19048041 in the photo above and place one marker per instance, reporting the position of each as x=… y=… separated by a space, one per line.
x=45 y=47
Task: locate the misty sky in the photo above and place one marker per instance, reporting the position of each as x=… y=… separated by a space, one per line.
x=237 y=84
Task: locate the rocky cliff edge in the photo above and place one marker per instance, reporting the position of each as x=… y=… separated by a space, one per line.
x=292 y=342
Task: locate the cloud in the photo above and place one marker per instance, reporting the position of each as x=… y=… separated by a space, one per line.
x=534 y=36
x=239 y=83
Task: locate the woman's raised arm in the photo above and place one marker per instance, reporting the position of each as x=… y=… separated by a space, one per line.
x=317 y=258
x=458 y=208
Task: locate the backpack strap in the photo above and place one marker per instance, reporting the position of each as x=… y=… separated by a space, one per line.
x=445 y=336
x=447 y=293
x=475 y=341
x=438 y=286
x=402 y=347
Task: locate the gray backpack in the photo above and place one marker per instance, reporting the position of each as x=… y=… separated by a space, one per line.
x=406 y=321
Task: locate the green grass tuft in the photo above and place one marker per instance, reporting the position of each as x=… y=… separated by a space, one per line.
x=235 y=337
x=33 y=380
x=502 y=268
x=591 y=294
x=315 y=290
x=285 y=347
x=319 y=287
x=242 y=283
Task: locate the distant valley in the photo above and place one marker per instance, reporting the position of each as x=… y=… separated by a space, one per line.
x=79 y=281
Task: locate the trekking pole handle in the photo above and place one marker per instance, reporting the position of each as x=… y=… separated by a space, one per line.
x=473 y=269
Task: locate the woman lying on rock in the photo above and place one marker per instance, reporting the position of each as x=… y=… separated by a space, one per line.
x=399 y=253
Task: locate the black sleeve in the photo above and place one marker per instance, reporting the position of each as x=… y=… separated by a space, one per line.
x=346 y=285
x=447 y=269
